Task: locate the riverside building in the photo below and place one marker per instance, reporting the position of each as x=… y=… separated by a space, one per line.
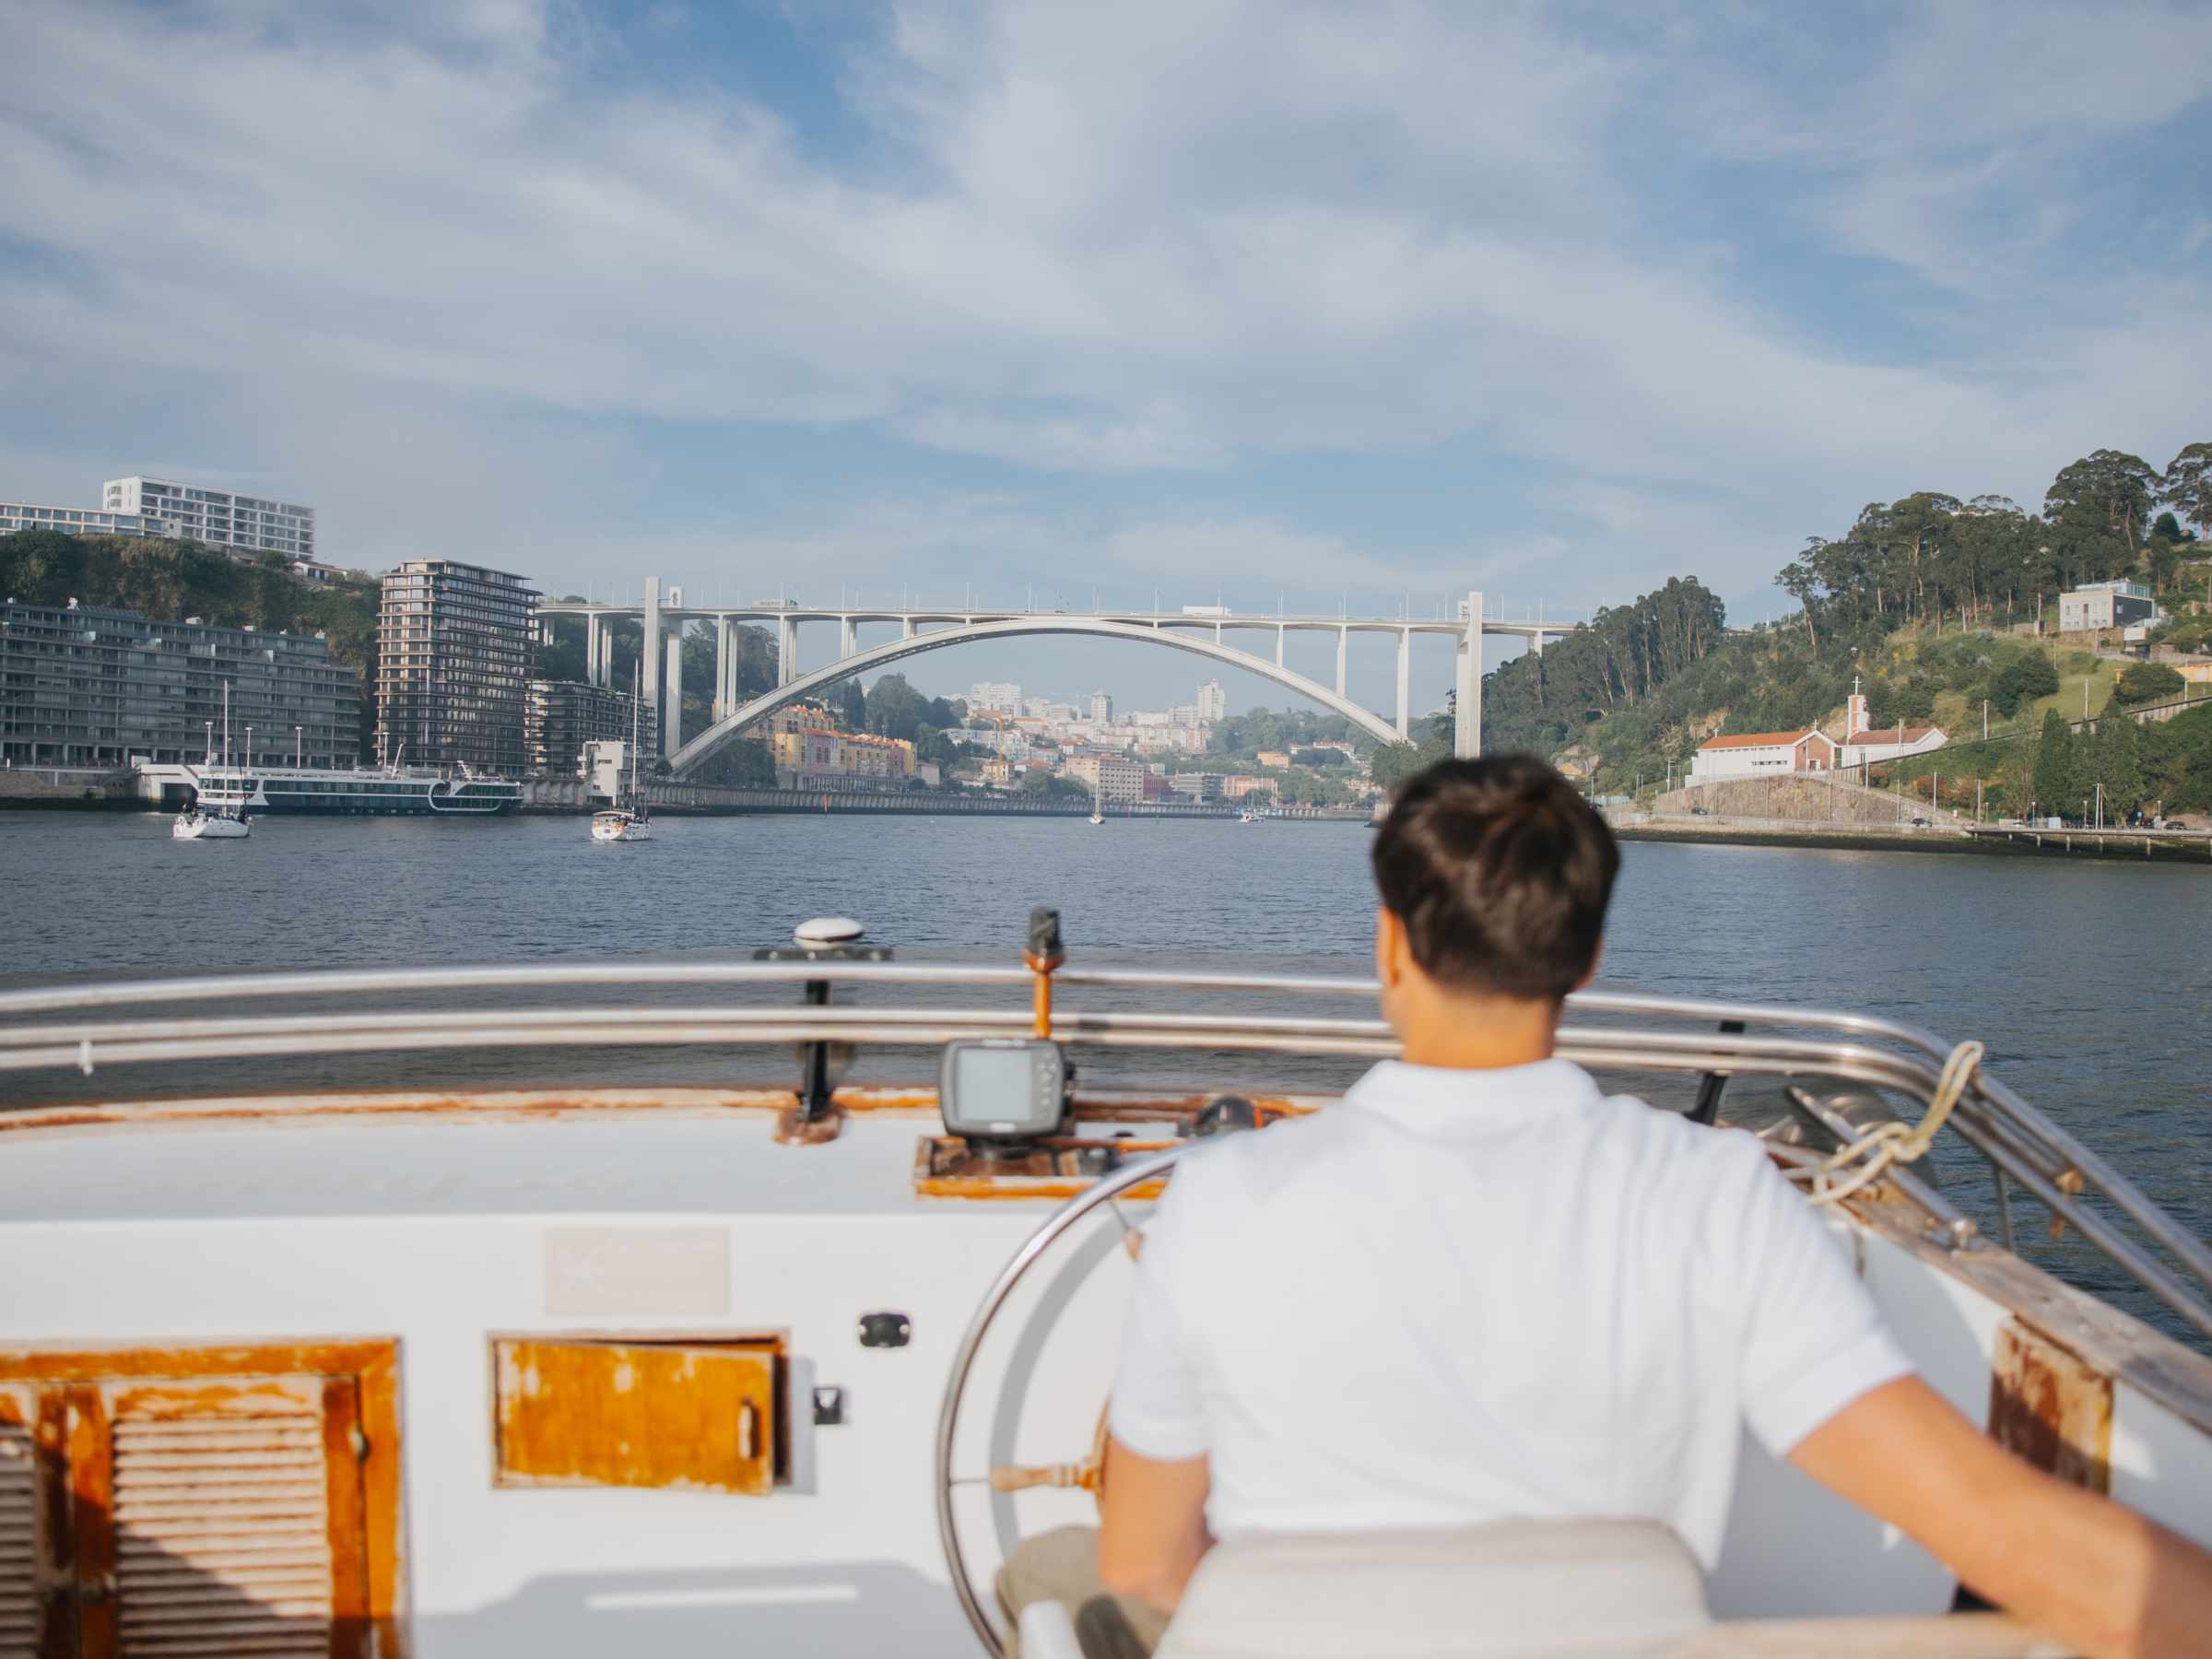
x=560 y=717
x=95 y=686
x=452 y=666
x=216 y=518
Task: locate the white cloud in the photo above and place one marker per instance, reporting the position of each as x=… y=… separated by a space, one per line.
x=440 y=256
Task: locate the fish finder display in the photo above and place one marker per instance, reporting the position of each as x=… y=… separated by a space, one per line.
x=1002 y=1089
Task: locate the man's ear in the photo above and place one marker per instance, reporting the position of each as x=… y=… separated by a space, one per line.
x=1390 y=947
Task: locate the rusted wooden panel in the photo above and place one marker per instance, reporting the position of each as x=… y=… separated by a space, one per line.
x=346 y=1521
x=91 y=1520
x=580 y=1412
x=204 y=1423
x=2051 y=1406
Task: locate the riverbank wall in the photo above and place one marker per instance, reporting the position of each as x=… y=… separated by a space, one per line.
x=2112 y=845
x=676 y=800
x=65 y=788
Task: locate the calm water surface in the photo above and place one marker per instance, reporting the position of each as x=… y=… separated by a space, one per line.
x=2087 y=981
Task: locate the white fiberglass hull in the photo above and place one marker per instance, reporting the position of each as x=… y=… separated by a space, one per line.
x=210 y=829
x=620 y=827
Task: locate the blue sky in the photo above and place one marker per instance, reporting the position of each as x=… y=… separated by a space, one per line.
x=1321 y=303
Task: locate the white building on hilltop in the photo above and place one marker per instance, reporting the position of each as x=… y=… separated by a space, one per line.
x=1001 y=697
x=1213 y=702
x=216 y=518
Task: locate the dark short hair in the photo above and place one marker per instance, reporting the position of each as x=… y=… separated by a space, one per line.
x=1501 y=873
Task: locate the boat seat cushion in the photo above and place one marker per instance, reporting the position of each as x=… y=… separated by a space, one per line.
x=1525 y=1587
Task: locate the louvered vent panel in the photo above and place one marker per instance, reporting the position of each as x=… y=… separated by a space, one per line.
x=19 y=1542
x=222 y=1535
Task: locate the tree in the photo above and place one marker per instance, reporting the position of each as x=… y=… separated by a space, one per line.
x=2057 y=780
x=2146 y=683
x=2189 y=487
x=894 y=709
x=2027 y=676
x=2116 y=765
x=850 y=704
x=2097 y=510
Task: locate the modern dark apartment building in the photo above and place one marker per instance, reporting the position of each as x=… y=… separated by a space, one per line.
x=560 y=717
x=93 y=686
x=452 y=666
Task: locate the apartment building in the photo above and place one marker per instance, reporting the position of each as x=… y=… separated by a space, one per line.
x=96 y=686
x=560 y=717
x=79 y=520
x=217 y=518
x=452 y=666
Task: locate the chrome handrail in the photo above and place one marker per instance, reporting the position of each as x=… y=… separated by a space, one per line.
x=2012 y=1136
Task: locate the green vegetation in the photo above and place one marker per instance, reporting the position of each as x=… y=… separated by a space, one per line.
x=2150 y=683
x=1916 y=601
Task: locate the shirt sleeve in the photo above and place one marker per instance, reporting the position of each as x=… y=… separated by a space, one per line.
x=1157 y=1409
x=1813 y=1339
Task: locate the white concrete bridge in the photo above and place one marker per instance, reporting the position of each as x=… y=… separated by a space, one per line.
x=1200 y=630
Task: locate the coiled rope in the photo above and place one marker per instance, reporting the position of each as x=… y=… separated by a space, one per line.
x=1893 y=1143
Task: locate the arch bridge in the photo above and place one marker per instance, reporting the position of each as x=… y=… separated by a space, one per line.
x=1198 y=630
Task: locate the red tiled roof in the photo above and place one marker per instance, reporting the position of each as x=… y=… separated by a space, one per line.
x=1760 y=740
x=1913 y=733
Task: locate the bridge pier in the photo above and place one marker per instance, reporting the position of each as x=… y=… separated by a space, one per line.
x=593 y=675
x=672 y=715
x=1278 y=644
x=649 y=659
x=848 y=637
x=787 y=651
x=1344 y=636
x=1404 y=679
x=722 y=667
x=1466 y=702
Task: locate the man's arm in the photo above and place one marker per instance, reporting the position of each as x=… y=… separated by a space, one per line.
x=1151 y=1525
x=2077 y=1566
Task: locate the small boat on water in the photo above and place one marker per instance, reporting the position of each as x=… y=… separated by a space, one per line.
x=1248 y=816
x=222 y=818
x=629 y=819
x=215 y=823
x=420 y=1358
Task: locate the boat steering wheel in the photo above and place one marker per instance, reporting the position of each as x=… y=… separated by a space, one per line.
x=1083 y=1471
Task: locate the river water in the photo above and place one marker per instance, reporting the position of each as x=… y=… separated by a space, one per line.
x=2087 y=981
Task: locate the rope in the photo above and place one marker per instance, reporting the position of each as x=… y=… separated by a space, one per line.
x=1894 y=1143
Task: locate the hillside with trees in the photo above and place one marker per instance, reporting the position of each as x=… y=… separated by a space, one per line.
x=1916 y=600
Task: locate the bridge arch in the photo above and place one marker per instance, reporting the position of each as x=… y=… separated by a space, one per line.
x=736 y=725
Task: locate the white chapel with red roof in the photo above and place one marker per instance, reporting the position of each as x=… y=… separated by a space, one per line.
x=1769 y=754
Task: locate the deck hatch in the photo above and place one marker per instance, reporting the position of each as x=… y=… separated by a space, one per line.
x=693 y=1414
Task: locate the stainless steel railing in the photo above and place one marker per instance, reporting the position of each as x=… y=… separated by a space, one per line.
x=91 y=1027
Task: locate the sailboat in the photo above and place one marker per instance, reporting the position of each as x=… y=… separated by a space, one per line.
x=627 y=820
x=226 y=821
x=1098 y=804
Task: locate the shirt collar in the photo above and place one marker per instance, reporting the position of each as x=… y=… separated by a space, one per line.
x=1432 y=1098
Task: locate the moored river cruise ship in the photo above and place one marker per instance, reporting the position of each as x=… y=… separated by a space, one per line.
x=341 y=791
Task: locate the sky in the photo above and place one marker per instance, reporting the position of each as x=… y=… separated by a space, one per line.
x=1275 y=304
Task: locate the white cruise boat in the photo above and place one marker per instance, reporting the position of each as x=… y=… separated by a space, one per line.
x=381 y=791
x=766 y=1362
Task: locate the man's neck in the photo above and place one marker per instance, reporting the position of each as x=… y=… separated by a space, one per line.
x=1480 y=1033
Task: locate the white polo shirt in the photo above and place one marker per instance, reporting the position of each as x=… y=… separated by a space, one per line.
x=1469 y=1295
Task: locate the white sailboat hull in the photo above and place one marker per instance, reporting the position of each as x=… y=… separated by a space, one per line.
x=207 y=828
